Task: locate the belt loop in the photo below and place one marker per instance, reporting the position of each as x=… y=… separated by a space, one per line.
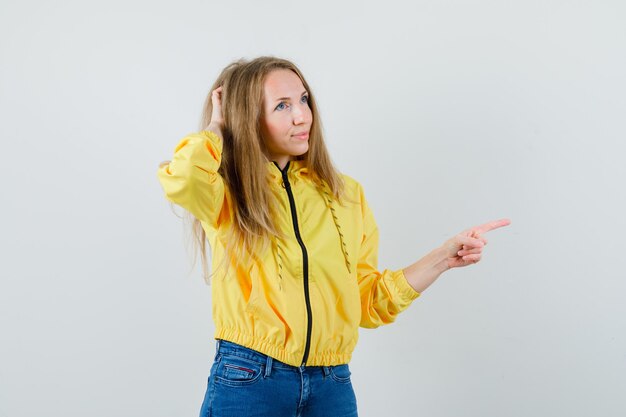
x=217 y=349
x=268 y=367
x=326 y=370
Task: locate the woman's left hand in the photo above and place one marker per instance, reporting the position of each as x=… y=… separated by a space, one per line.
x=466 y=247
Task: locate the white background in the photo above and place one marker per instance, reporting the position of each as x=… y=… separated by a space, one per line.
x=450 y=113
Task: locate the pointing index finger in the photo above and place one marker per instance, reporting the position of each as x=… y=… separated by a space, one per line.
x=492 y=225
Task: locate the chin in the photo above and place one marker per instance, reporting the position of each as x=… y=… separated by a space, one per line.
x=301 y=151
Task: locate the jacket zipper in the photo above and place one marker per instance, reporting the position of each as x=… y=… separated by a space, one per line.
x=305 y=261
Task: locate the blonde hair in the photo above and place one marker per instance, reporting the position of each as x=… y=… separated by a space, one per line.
x=244 y=161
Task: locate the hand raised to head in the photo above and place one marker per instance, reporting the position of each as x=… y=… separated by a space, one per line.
x=217 y=118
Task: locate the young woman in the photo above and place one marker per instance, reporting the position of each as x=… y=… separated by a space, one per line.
x=294 y=248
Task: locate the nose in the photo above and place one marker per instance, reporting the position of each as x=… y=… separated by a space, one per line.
x=298 y=116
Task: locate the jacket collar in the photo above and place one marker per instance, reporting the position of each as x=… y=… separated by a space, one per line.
x=295 y=168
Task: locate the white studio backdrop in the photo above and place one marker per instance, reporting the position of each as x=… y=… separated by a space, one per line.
x=450 y=113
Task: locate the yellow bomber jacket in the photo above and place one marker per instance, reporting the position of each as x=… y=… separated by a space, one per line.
x=303 y=300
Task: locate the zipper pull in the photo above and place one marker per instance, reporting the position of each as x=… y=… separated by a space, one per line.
x=286 y=183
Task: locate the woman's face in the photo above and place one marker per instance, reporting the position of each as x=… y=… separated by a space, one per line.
x=287 y=117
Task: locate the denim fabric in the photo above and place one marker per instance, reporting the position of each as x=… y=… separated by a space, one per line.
x=246 y=383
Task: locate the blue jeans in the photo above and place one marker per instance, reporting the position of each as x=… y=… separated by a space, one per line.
x=246 y=383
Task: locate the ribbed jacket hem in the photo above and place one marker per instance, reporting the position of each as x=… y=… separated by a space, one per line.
x=276 y=352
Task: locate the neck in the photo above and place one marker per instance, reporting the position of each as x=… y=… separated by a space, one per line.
x=282 y=161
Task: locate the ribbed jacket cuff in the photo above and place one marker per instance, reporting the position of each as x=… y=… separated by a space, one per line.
x=403 y=287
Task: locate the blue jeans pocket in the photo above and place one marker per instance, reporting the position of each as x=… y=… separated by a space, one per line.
x=236 y=371
x=340 y=373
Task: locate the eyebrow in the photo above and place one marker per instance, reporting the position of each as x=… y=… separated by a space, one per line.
x=287 y=98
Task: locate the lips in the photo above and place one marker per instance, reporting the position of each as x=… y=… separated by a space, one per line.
x=301 y=135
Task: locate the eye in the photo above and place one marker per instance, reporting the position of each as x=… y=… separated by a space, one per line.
x=304 y=99
x=280 y=106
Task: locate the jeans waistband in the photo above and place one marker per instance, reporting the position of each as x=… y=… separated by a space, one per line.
x=227 y=347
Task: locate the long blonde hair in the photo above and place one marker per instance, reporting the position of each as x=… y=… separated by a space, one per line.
x=244 y=161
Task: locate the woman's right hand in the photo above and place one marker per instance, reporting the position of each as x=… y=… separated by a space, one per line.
x=217 y=119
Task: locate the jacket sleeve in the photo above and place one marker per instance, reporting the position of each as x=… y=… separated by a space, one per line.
x=191 y=179
x=383 y=294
